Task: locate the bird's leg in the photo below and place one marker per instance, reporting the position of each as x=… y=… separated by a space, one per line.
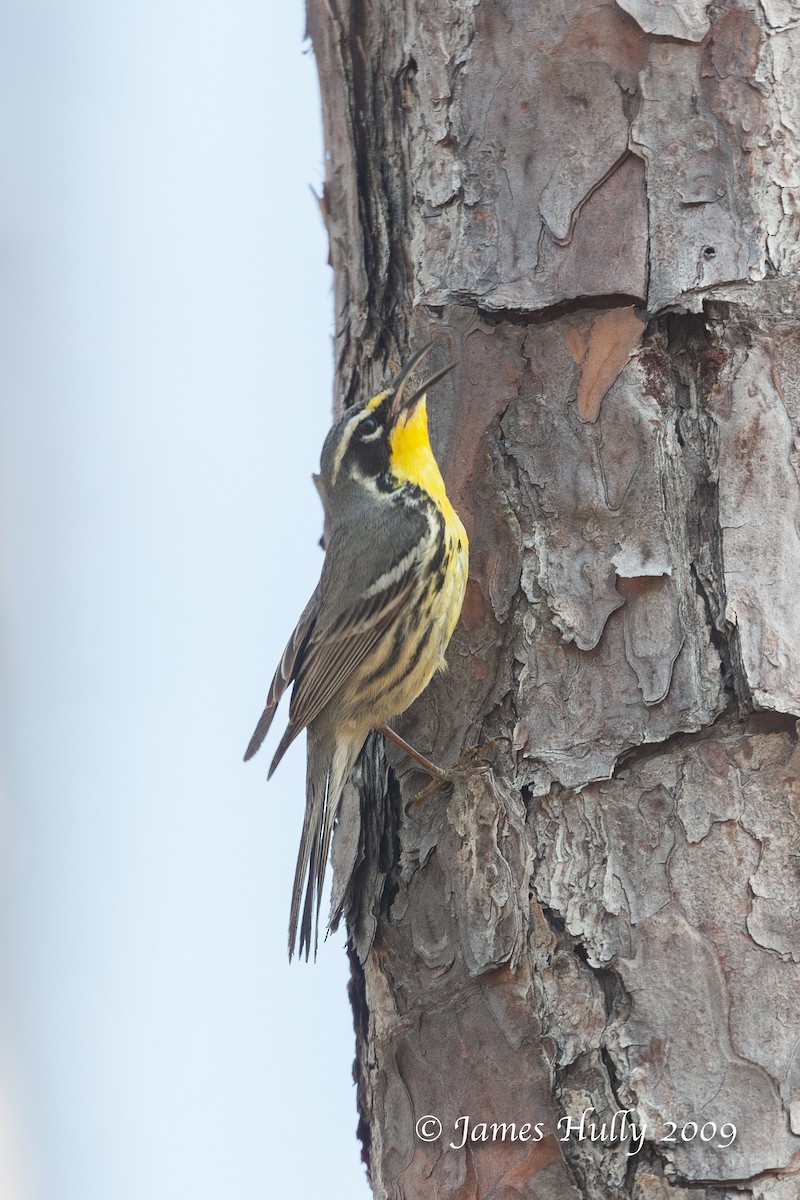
x=434 y=771
x=439 y=778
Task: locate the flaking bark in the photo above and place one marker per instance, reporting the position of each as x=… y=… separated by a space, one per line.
x=592 y=207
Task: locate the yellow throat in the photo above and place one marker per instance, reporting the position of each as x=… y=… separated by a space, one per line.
x=411 y=459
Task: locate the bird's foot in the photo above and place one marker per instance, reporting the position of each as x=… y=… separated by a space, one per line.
x=474 y=756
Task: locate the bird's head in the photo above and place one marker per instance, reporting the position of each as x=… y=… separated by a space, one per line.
x=370 y=444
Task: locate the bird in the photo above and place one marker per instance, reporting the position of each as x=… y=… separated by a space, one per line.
x=376 y=628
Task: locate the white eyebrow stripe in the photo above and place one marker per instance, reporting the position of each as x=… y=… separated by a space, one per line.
x=344 y=442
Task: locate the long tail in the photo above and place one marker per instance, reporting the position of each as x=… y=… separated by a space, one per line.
x=329 y=765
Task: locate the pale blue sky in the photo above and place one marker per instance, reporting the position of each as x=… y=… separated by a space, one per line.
x=165 y=366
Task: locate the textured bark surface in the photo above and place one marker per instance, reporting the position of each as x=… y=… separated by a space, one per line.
x=593 y=208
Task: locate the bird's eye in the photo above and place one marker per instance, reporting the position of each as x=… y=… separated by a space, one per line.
x=367 y=426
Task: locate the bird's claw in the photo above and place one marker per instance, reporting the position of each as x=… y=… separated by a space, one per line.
x=474 y=755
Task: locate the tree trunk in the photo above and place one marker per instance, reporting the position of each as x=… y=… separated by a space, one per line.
x=592 y=208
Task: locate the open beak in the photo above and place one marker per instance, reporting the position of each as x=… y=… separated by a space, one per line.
x=404 y=399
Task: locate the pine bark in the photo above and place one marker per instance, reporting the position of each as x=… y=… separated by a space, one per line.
x=592 y=208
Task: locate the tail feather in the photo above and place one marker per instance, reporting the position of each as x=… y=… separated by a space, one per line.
x=329 y=766
x=305 y=872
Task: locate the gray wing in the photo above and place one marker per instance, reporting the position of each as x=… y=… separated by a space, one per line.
x=352 y=611
x=333 y=653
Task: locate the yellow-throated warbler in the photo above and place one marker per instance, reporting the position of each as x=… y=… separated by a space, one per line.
x=377 y=626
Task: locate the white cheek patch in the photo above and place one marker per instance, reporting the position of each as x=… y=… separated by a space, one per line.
x=366 y=481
